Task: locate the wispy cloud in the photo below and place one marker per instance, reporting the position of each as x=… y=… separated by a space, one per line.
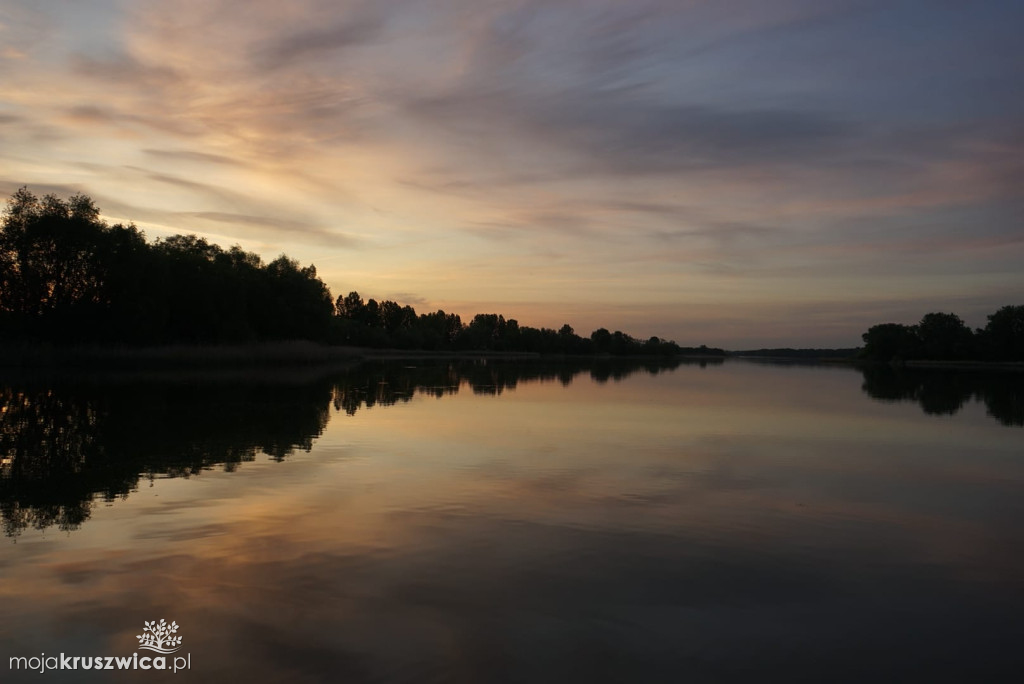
x=258 y=223
x=124 y=71
x=192 y=156
x=310 y=42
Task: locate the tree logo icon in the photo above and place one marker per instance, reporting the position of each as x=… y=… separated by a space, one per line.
x=157 y=637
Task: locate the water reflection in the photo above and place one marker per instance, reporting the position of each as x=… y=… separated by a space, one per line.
x=729 y=524
x=387 y=383
x=65 y=445
x=945 y=392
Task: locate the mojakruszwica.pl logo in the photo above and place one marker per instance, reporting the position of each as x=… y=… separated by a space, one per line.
x=158 y=637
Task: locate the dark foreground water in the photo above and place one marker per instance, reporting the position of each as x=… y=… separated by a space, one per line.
x=476 y=522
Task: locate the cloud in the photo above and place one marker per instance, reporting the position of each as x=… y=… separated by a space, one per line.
x=192 y=156
x=97 y=115
x=313 y=42
x=125 y=72
x=198 y=187
x=628 y=132
x=278 y=226
x=24 y=27
x=411 y=299
x=8 y=188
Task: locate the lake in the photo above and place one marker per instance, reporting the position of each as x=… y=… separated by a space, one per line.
x=476 y=521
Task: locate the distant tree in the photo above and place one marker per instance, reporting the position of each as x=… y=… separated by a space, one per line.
x=621 y=343
x=513 y=335
x=395 y=317
x=62 y=268
x=602 y=340
x=135 y=310
x=485 y=331
x=888 y=341
x=1003 y=337
x=189 y=289
x=298 y=304
x=350 y=306
x=441 y=329
x=944 y=336
x=371 y=314
x=46 y=247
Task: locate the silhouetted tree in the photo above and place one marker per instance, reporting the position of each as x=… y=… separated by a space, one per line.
x=135 y=309
x=1003 y=337
x=602 y=340
x=485 y=331
x=349 y=306
x=296 y=304
x=888 y=341
x=66 y=276
x=439 y=330
x=944 y=336
x=50 y=276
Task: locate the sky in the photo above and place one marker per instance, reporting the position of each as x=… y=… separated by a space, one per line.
x=736 y=173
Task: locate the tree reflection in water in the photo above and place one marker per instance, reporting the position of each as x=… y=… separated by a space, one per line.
x=944 y=392
x=66 y=444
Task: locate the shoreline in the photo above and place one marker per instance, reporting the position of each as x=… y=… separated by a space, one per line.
x=292 y=353
x=300 y=353
x=296 y=353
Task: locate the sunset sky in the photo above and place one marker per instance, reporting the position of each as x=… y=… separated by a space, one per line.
x=737 y=173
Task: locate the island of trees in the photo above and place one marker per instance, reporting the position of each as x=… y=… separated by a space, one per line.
x=945 y=337
x=69 y=278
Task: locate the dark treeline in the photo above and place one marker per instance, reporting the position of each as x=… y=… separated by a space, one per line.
x=66 y=277
x=66 y=443
x=945 y=337
x=389 y=324
x=69 y=278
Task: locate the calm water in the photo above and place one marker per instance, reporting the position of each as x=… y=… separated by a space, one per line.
x=475 y=522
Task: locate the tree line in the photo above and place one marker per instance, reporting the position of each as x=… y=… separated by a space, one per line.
x=945 y=337
x=68 y=278
x=389 y=324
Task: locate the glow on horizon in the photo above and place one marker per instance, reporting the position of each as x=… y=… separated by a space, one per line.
x=735 y=174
